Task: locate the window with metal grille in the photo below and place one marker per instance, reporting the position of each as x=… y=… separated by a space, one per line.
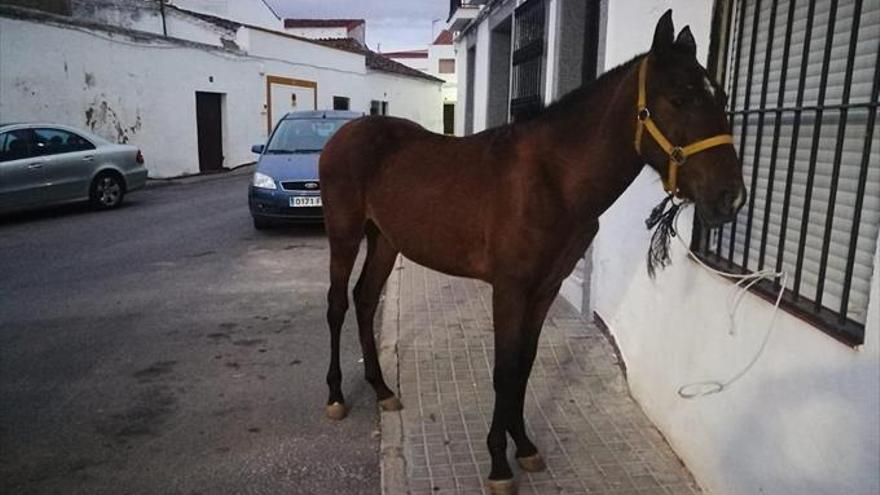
x=528 y=59
x=803 y=77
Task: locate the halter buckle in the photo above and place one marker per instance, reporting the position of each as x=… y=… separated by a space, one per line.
x=643 y=114
x=677 y=155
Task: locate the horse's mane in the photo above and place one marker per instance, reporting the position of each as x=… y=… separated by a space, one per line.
x=567 y=103
x=565 y=107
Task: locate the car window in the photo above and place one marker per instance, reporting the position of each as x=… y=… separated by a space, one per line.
x=303 y=135
x=15 y=145
x=54 y=141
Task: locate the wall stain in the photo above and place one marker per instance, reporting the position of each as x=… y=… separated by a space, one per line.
x=89 y=80
x=22 y=85
x=102 y=119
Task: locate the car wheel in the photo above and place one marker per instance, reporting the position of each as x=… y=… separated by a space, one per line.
x=262 y=223
x=107 y=191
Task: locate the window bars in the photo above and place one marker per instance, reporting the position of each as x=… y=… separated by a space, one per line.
x=803 y=79
x=528 y=59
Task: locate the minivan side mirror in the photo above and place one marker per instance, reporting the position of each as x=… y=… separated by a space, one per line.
x=257 y=148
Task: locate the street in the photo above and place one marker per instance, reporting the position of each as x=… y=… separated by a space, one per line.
x=168 y=347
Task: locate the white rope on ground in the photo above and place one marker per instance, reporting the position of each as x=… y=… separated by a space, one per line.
x=738 y=291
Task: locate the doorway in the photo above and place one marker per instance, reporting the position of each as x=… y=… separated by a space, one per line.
x=499 y=73
x=209 y=123
x=449 y=118
x=286 y=94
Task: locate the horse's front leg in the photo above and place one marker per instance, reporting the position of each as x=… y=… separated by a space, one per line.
x=508 y=308
x=533 y=321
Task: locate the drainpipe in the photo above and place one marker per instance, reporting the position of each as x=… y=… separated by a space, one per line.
x=162 y=13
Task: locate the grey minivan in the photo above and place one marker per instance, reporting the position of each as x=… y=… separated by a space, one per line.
x=48 y=164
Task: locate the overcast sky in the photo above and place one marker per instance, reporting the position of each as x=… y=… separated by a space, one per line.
x=393 y=24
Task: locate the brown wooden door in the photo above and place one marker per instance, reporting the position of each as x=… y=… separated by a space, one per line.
x=210 y=131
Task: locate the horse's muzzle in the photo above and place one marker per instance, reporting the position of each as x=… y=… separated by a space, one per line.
x=724 y=209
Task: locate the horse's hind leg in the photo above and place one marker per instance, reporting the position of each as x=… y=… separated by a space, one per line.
x=343 y=251
x=378 y=264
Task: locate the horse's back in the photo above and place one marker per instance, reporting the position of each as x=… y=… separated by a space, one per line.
x=362 y=143
x=420 y=188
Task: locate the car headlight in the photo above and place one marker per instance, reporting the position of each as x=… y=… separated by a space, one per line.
x=263 y=181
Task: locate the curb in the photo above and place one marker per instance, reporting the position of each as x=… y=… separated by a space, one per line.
x=392 y=463
x=236 y=171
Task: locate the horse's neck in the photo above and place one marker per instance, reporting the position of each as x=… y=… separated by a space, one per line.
x=598 y=160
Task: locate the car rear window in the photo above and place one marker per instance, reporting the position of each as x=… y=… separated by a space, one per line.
x=54 y=141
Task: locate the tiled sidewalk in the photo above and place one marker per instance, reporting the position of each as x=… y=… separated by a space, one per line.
x=593 y=436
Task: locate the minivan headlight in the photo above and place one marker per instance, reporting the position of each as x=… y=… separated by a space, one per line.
x=263 y=181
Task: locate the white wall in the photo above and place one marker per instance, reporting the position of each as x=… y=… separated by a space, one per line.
x=551 y=50
x=409 y=98
x=450 y=87
x=481 y=78
x=481 y=89
x=430 y=64
x=342 y=73
x=129 y=97
x=137 y=16
x=253 y=12
x=461 y=89
x=804 y=419
x=285 y=49
x=143 y=92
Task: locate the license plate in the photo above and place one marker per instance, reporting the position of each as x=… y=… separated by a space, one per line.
x=304 y=201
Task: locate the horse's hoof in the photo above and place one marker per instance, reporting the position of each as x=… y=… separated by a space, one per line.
x=532 y=463
x=502 y=487
x=391 y=404
x=336 y=411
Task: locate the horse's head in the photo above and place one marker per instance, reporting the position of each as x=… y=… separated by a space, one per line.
x=687 y=108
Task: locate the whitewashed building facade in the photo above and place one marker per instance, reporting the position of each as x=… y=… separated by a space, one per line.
x=160 y=77
x=439 y=61
x=803 y=418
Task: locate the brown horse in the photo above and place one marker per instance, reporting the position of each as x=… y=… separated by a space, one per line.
x=516 y=206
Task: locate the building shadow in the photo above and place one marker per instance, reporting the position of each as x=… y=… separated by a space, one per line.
x=61 y=211
x=812 y=432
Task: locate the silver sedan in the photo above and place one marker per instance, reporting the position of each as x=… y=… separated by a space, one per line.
x=48 y=164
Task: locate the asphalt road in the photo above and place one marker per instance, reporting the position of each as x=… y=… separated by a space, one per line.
x=168 y=347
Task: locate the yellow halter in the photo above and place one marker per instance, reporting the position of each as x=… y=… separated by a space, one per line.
x=677 y=154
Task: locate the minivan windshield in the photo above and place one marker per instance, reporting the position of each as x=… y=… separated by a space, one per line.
x=303 y=135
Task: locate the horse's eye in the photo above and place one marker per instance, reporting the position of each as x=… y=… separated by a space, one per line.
x=678 y=101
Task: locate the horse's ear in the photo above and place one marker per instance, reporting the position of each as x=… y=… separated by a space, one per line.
x=663 y=34
x=686 y=42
